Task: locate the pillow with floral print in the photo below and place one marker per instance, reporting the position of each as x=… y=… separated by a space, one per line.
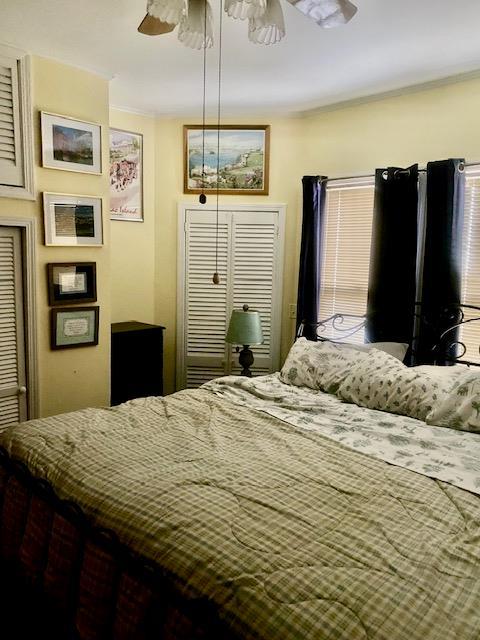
x=460 y=408
x=320 y=365
x=384 y=383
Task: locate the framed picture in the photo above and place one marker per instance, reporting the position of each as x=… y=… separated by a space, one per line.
x=72 y=145
x=76 y=327
x=126 y=176
x=72 y=220
x=71 y=282
x=243 y=159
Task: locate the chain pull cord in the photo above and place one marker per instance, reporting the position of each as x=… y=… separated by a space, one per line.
x=216 y=277
x=203 y=198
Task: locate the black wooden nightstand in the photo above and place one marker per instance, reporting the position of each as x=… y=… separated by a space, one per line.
x=136 y=361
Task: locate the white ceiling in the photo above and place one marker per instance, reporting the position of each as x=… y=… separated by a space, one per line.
x=390 y=44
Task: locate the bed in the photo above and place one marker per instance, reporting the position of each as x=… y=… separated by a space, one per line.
x=257 y=508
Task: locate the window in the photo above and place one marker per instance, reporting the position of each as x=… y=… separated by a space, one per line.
x=16 y=140
x=346 y=252
x=470 y=334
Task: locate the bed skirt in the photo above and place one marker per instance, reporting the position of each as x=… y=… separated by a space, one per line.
x=96 y=587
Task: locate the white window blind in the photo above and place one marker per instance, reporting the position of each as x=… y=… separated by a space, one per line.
x=13 y=407
x=470 y=333
x=11 y=156
x=346 y=253
x=250 y=269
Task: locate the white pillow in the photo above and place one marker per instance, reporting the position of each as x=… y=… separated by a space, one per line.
x=385 y=384
x=395 y=349
x=319 y=365
x=460 y=407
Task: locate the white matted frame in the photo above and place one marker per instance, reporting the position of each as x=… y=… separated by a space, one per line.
x=28 y=229
x=126 y=175
x=70 y=144
x=72 y=220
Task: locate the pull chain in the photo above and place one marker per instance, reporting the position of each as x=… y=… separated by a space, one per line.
x=216 y=277
x=203 y=198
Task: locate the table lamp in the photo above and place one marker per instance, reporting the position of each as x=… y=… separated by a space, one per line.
x=245 y=328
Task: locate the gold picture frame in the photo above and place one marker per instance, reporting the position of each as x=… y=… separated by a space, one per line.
x=244 y=159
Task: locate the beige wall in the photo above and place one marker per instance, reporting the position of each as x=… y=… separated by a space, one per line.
x=285 y=178
x=71 y=378
x=137 y=269
x=417 y=127
x=132 y=251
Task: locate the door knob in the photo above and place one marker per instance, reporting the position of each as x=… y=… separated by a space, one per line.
x=22 y=390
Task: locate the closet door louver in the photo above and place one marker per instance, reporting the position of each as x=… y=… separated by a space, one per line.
x=13 y=407
x=470 y=333
x=205 y=303
x=11 y=162
x=253 y=277
x=249 y=274
x=346 y=253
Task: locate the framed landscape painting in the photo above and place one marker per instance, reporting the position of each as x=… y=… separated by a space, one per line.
x=72 y=220
x=241 y=166
x=126 y=176
x=71 y=145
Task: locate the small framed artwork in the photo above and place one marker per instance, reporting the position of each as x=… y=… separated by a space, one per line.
x=75 y=327
x=71 y=282
x=72 y=145
x=234 y=157
x=126 y=176
x=72 y=220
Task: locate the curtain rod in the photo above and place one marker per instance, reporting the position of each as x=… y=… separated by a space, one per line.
x=372 y=175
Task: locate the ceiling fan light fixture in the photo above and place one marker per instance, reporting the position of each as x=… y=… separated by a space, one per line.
x=169 y=11
x=192 y=31
x=151 y=26
x=245 y=9
x=268 y=28
x=326 y=13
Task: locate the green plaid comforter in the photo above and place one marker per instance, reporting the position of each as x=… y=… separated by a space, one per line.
x=292 y=535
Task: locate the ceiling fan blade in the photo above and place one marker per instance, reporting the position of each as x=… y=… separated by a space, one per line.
x=326 y=13
x=151 y=26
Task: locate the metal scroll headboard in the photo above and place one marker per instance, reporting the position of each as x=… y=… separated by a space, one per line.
x=445 y=344
x=445 y=326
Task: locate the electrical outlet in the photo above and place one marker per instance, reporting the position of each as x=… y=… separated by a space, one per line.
x=292 y=311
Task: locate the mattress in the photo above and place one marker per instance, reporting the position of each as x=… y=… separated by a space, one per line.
x=290 y=533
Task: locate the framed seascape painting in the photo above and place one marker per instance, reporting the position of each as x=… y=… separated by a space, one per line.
x=72 y=145
x=71 y=282
x=242 y=161
x=126 y=175
x=72 y=220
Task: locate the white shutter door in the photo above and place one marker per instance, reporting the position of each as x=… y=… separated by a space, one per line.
x=13 y=405
x=254 y=252
x=11 y=163
x=205 y=302
x=250 y=267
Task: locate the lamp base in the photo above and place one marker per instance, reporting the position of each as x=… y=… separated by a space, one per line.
x=245 y=360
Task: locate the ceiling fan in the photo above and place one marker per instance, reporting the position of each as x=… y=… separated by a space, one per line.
x=265 y=18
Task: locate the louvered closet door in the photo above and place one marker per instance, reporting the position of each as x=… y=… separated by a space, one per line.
x=13 y=400
x=205 y=303
x=254 y=245
x=249 y=264
x=11 y=166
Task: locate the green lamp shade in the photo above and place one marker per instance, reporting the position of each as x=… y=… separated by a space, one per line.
x=244 y=328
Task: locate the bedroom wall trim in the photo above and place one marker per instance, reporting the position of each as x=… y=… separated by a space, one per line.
x=28 y=229
x=183 y=207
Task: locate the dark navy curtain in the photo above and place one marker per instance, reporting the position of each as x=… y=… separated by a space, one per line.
x=393 y=256
x=314 y=196
x=442 y=263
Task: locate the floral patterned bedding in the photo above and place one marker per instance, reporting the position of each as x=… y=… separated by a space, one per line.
x=445 y=454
